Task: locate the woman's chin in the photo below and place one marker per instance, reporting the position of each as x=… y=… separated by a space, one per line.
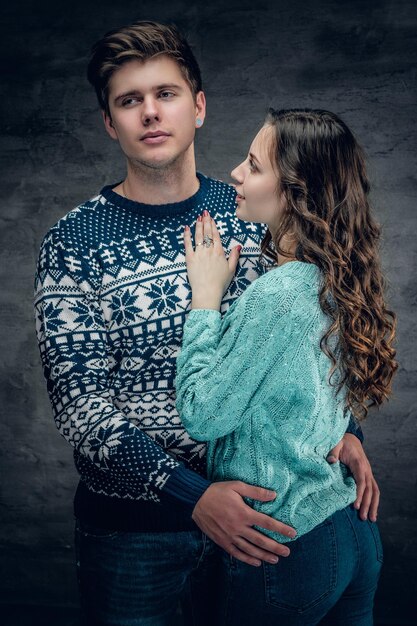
x=240 y=213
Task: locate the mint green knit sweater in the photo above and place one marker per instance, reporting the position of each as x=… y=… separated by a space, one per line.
x=255 y=385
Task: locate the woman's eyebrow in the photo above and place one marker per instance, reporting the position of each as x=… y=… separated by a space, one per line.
x=252 y=156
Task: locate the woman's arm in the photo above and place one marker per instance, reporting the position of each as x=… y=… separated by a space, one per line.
x=223 y=362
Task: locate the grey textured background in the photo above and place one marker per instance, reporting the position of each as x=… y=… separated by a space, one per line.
x=355 y=58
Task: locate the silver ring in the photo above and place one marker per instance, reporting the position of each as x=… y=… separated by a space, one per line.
x=208 y=241
x=199 y=244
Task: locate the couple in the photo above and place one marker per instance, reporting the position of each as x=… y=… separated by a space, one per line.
x=112 y=297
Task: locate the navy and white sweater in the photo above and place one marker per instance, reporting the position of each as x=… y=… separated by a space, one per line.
x=111 y=300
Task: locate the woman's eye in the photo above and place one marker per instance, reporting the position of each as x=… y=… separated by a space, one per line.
x=252 y=166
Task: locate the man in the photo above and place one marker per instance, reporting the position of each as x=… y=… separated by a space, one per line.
x=111 y=299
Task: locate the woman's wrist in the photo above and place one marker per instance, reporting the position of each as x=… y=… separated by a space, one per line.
x=206 y=297
x=206 y=302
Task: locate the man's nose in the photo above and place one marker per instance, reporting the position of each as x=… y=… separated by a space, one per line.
x=150 y=111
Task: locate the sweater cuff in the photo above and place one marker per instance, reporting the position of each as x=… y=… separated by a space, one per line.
x=355 y=429
x=185 y=486
x=215 y=317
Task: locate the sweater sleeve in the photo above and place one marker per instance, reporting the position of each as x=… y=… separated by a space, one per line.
x=223 y=362
x=76 y=360
x=354 y=428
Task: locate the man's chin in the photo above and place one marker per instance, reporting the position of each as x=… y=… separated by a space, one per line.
x=157 y=164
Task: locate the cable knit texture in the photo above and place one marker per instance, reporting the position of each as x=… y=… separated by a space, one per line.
x=255 y=385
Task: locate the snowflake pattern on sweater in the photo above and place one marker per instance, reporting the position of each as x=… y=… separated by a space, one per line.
x=111 y=299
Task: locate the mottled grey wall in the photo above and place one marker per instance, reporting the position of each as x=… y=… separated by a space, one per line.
x=356 y=58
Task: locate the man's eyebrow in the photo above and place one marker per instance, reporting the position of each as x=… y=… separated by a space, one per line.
x=168 y=86
x=135 y=92
x=127 y=94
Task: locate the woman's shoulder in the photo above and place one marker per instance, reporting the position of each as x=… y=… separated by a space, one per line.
x=287 y=277
x=275 y=292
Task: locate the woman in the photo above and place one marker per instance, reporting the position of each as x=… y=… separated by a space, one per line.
x=272 y=384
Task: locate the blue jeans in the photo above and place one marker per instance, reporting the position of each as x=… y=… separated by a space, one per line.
x=139 y=579
x=329 y=578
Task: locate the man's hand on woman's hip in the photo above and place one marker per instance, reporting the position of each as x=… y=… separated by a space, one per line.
x=350 y=452
x=222 y=514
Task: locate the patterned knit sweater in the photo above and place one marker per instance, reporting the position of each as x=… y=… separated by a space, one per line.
x=111 y=298
x=255 y=384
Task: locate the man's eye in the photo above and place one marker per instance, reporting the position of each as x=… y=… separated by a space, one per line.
x=129 y=101
x=166 y=94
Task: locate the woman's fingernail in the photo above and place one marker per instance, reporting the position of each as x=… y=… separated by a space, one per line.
x=206 y=213
x=199 y=218
x=239 y=248
x=186 y=227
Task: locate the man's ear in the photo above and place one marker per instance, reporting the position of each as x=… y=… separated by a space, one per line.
x=200 y=107
x=108 y=125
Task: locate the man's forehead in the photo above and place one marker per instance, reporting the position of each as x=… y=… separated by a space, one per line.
x=145 y=75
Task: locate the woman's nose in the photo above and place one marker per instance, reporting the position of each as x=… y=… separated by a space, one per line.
x=237 y=174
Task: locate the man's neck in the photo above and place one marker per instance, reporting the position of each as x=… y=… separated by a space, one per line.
x=159 y=186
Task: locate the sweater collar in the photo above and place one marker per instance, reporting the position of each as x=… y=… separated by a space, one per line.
x=158 y=210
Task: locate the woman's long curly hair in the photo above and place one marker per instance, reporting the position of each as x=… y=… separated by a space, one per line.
x=322 y=175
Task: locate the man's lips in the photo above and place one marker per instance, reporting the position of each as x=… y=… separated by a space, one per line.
x=155 y=137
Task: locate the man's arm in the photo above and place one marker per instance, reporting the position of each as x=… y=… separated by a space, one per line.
x=77 y=365
x=354 y=428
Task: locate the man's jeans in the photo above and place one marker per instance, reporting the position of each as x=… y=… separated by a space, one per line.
x=139 y=579
x=329 y=578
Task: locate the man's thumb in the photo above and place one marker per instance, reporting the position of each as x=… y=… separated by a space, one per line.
x=334 y=454
x=255 y=493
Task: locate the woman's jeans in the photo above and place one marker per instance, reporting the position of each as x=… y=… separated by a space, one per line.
x=139 y=579
x=329 y=578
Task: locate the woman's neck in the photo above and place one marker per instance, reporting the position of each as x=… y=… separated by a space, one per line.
x=287 y=245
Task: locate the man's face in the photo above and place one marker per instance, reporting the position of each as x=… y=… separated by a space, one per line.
x=152 y=112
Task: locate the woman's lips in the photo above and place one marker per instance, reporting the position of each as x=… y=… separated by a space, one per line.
x=239 y=197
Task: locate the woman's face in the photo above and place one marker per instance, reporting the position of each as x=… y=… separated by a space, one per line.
x=257 y=184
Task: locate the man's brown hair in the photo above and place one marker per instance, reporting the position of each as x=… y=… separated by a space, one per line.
x=140 y=41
